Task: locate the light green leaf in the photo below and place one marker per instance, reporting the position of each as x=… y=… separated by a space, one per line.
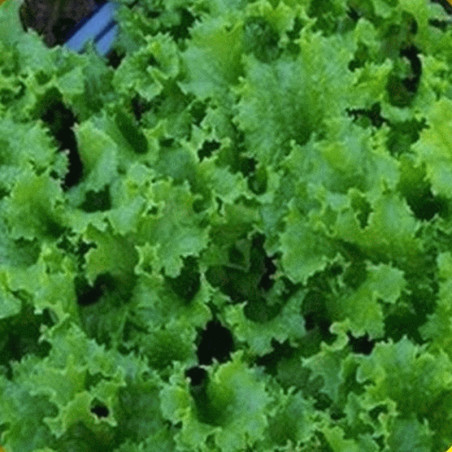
x=213 y=58
x=176 y=230
x=98 y=153
x=434 y=146
x=34 y=208
x=304 y=250
x=364 y=307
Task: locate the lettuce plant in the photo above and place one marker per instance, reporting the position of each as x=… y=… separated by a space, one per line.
x=234 y=234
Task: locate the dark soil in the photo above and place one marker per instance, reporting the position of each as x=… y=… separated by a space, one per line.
x=54 y=19
x=447 y=6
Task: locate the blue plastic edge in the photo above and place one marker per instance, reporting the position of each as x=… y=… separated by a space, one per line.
x=99 y=27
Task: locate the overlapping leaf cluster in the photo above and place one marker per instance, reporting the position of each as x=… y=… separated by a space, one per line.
x=233 y=235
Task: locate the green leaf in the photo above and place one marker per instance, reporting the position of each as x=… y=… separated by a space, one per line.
x=291 y=422
x=286 y=101
x=213 y=59
x=38 y=199
x=416 y=369
x=438 y=328
x=48 y=282
x=331 y=363
x=433 y=147
x=410 y=434
x=10 y=27
x=337 y=442
x=24 y=414
x=26 y=147
x=286 y=324
x=135 y=74
x=112 y=254
x=98 y=153
x=304 y=250
x=232 y=407
x=175 y=231
x=390 y=232
x=363 y=307
x=10 y=305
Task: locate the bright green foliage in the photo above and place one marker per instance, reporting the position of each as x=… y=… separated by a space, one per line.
x=434 y=147
x=233 y=235
x=231 y=408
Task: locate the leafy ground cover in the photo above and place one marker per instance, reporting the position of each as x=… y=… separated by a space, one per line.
x=232 y=235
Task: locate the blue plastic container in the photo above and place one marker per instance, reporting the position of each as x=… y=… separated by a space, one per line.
x=99 y=27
